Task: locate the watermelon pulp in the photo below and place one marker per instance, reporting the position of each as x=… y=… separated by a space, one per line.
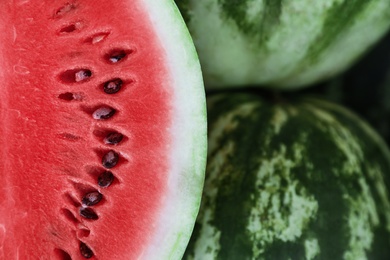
x=98 y=157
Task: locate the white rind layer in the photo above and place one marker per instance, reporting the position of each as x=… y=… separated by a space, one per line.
x=189 y=134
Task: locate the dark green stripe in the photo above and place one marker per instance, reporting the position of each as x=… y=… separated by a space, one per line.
x=373 y=156
x=317 y=180
x=261 y=29
x=339 y=18
x=238 y=185
x=270 y=19
x=330 y=226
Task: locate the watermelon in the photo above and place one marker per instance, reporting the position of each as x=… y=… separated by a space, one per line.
x=291 y=178
x=103 y=130
x=281 y=44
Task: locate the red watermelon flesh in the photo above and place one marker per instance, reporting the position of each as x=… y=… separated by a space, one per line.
x=91 y=125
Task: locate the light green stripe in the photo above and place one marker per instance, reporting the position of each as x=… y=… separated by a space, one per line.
x=341 y=16
x=338 y=19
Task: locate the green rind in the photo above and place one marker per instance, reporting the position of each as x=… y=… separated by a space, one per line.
x=281 y=44
x=292 y=180
x=184 y=7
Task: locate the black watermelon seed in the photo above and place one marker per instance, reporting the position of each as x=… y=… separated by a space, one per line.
x=113 y=138
x=75 y=75
x=65 y=9
x=103 y=113
x=92 y=198
x=97 y=38
x=85 y=250
x=82 y=75
x=112 y=86
x=116 y=56
x=110 y=159
x=68 y=29
x=105 y=179
x=88 y=213
x=68 y=96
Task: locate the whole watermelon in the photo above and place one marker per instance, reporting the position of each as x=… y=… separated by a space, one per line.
x=281 y=43
x=298 y=179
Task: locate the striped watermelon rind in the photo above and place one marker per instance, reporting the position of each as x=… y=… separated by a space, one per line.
x=305 y=179
x=281 y=44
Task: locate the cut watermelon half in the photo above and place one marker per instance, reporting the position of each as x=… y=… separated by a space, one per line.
x=103 y=130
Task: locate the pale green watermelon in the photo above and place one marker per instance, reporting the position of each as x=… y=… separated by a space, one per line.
x=303 y=179
x=281 y=43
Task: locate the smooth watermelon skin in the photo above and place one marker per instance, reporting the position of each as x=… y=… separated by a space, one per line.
x=279 y=43
x=303 y=179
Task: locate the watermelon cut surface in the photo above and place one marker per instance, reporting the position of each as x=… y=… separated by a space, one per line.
x=291 y=179
x=102 y=130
